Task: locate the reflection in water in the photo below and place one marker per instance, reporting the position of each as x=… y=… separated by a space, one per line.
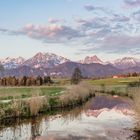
x=136 y=135
x=36 y=129
x=102 y=118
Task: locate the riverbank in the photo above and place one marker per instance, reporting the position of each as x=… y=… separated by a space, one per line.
x=102 y=117
x=34 y=105
x=26 y=102
x=125 y=87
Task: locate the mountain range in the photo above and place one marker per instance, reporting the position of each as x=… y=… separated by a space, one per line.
x=52 y=64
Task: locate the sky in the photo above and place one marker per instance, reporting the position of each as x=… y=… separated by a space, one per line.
x=74 y=29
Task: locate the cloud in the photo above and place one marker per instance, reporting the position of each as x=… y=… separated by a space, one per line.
x=98 y=34
x=104 y=10
x=3 y=30
x=90 y=7
x=50 y=33
x=120 y=18
x=55 y=20
x=132 y=3
x=117 y=44
x=93 y=23
x=136 y=15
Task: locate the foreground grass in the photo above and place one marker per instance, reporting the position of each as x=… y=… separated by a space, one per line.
x=72 y=96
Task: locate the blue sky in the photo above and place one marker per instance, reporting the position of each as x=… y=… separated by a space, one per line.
x=71 y=28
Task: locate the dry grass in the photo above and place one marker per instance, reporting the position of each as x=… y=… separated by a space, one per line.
x=16 y=107
x=136 y=96
x=32 y=106
x=2 y=112
x=36 y=102
x=76 y=92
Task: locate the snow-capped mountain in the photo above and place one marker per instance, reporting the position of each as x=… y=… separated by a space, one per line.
x=90 y=60
x=41 y=61
x=45 y=60
x=126 y=62
x=10 y=63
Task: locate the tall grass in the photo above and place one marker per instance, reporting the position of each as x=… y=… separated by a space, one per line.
x=121 y=90
x=77 y=94
x=36 y=103
x=72 y=96
x=135 y=92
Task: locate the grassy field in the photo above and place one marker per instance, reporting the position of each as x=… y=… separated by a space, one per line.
x=7 y=93
x=115 y=81
x=109 y=84
x=30 y=101
x=37 y=99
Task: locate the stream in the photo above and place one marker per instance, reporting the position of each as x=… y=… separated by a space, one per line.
x=102 y=118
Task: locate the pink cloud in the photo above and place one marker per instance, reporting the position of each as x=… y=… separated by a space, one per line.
x=55 y=20
x=51 y=32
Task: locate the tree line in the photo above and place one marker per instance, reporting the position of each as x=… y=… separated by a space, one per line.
x=25 y=81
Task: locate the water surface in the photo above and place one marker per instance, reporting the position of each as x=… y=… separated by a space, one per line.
x=102 y=118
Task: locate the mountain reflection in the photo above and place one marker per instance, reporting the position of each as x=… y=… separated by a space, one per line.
x=100 y=118
x=108 y=103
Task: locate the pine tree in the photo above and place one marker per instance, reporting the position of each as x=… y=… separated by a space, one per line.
x=77 y=76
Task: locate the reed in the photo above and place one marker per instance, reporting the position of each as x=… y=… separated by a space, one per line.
x=74 y=95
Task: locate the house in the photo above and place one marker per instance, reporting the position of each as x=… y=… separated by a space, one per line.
x=115 y=76
x=119 y=76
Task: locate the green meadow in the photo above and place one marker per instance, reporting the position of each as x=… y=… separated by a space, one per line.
x=114 y=81
x=8 y=93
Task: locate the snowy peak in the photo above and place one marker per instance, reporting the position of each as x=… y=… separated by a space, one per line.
x=9 y=63
x=50 y=60
x=9 y=59
x=19 y=60
x=90 y=60
x=46 y=60
x=126 y=62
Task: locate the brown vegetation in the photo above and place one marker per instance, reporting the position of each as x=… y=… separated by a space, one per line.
x=36 y=103
x=136 y=96
x=73 y=96
x=25 y=81
x=75 y=93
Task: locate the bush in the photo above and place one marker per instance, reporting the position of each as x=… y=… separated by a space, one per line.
x=35 y=104
x=77 y=94
x=134 y=84
x=53 y=102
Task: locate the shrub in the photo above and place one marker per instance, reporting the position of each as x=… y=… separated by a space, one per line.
x=77 y=76
x=77 y=94
x=134 y=84
x=36 y=103
x=53 y=102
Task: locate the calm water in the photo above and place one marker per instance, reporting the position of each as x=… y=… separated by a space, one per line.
x=102 y=118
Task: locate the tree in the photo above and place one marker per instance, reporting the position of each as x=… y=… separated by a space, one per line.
x=77 y=76
x=39 y=80
x=23 y=81
x=28 y=81
x=134 y=74
x=47 y=80
x=33 y=81
x=1 y=69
